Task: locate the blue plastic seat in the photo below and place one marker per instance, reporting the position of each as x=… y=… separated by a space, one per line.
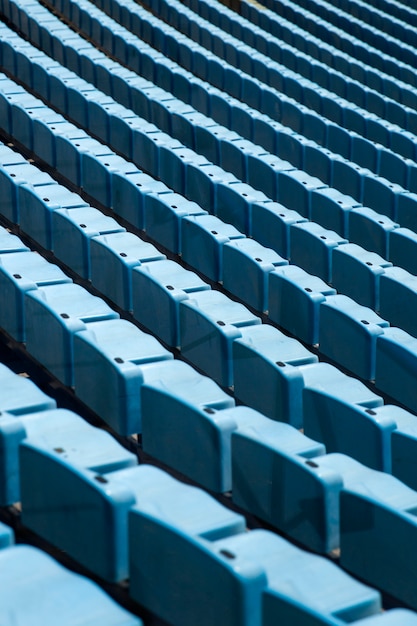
x=66 y=597
x=271 y=226
x=234 y=202
x=396 y=362
x=72 y=232
x=20 y=272
x=357 y=274
x=13 y=177
x=19 y=395
x=374 y=551
x=348 y=334
x=294 y=301
x=203 y=238
x=397 y=287
x=98 y=170
x=312 y=248
x=157 y=290
x=331 y=209
x=113 y=257
x=63 y=310
x=81 y=491
x=349 y=418
x=246 y=265
x=295 y=190
x=209 y=324
x=371 y=230
x=129 y=194
x=402 y=249
x=163 y=213
x=187 y=421
x=267 y=374
x=406 y=211
x=10 y=243
x=37 y=204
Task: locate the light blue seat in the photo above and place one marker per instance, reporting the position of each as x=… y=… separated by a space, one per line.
x=348 y=417
x=187 y=421
x=295 y=191
x=398 y=298
x=97 y=173
x=393 y=617
x=357 y=274
x=108 y=370
x=312 y=248
x=66 y=597
x=20 y=272
x=348 y=334
x=129 y=194
x=294 y=301
x=371 y=230
x=202 y=179
x=13 y=177
x=285 y=483
x=267 y=374
x=72 y=232
x=113 y=257
x=246 y=265
x=157 y=290
x=23 y=108
x=271 y=226
x=203 y=238
x=70 y=148
x=44 y=135
x=331 y=209
x=37 y=205
x=228 y=576
x=80 y=491
x=10 y=243
x=6 y=536
x=263 y=170
x=187 y=526
x=163 y=213
x=63 y=310
x=381 y=194
x=406 y=211
x=19 y=395
x=234 y=202
x=396 y=366
x=209 y=324
x=373 y=551
x=402 y=249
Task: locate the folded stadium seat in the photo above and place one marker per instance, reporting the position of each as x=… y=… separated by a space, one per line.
x=10 y=243
x=246 y=265
x=68 y=597
x=406 y=211
x=331 y=209
x=174 y=160
x=70 y=150
x=12 y=177
x=271 y=226
x=96 y=179
x=21 y=272
x=347 y=417
x=365 y=550
x=398 y=293
x=157 y=290
x=202 y=179
x=187 y=421
x=371 y=230
x=38 y=203
x=294 y=190
x=312 y=248
x=203 y=238
x=264 y=169
x=129 y=192
x=402 y=249
x=357 y=274
x=209 y=324
x=226 y=572
x=267 y=373
x=396 y=353
x=163 y=213
x=82 y=505
x=348 y=334
x=234 y=204
x=72 y=233
x=382 y=193
x=294 y=301
x=64 y=310
x=113 y=257
x=110 y=359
